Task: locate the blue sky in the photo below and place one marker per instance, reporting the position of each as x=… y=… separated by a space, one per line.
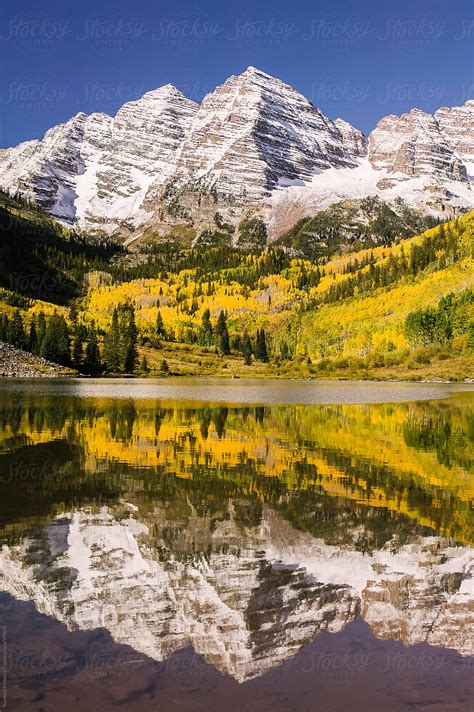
x=358 y=60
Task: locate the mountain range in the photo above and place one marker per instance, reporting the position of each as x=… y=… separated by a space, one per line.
x=253 y=146
x=251 y=602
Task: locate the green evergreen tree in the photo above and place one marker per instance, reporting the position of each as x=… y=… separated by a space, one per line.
x=92 y=362
x=130 y=337
x=160 y=328
x=112 y=345
x=4 y=327
x=164 y=368
x=237 y=343
x=41 y=332
x=222 y=334
x=261 y=352
x=206 y=331
x=56 y=346
x=33 y=336
x=247 y=350
x=16 y=331
x=79 y=337
x=73 y=315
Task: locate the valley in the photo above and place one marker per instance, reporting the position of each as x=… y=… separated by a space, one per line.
x=341 y=299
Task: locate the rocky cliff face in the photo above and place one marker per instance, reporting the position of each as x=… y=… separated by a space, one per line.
x=354 y=140
x=456 y=124
x=94 y=171
x=254 y=143
x=255 y=132
x=413 y=145
x=251 y=601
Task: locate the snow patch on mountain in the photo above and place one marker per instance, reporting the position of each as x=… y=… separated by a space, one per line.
x=94 y=171
x=287 y=206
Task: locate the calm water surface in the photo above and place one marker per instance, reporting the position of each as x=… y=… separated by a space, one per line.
x=204 y=544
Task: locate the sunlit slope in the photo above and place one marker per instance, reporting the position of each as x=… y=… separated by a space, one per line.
x=297 y=304
x=352 y=307
x=372 y=322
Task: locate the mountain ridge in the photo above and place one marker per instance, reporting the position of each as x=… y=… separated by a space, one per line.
x=253 y=144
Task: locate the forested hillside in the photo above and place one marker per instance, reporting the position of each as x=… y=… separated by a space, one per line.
x=396 y=310
x=354 y=225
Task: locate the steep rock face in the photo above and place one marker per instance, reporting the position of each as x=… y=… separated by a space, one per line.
x=250 y=136
x=413 y=145
x=146 y=135
x=251 y=600
x=254 y=145
x=433 y=602
x=355 y=141
x=95 y=170
x=457 y=126
x=46 y=171
x=255 y=132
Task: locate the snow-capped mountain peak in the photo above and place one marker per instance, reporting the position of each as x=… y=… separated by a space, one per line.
x=253 y=143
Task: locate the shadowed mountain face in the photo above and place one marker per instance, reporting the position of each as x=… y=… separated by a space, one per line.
x=244 y=532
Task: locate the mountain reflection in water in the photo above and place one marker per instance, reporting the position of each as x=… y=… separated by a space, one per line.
x=244 y=532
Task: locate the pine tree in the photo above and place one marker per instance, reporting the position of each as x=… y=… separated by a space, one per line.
x=247 y=349
x=237 y=343
x=55 y=346
x=78 y=339
x=130 y=338
x=41 y=329
x=73 y=315
x=33 y=337
x=222 y=334
x=4 y=324
x=16 y=331
x=63 y=343
x=261 y=352
x=144 y=365
x=225 y=343
x=112 y=345
x=92 y=364
x=160 y=328
x=164 y=368
x=206 y=331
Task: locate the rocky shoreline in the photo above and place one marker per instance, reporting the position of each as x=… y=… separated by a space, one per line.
x=15 y=363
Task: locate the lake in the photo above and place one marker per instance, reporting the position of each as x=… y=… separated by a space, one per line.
x=209 y=544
